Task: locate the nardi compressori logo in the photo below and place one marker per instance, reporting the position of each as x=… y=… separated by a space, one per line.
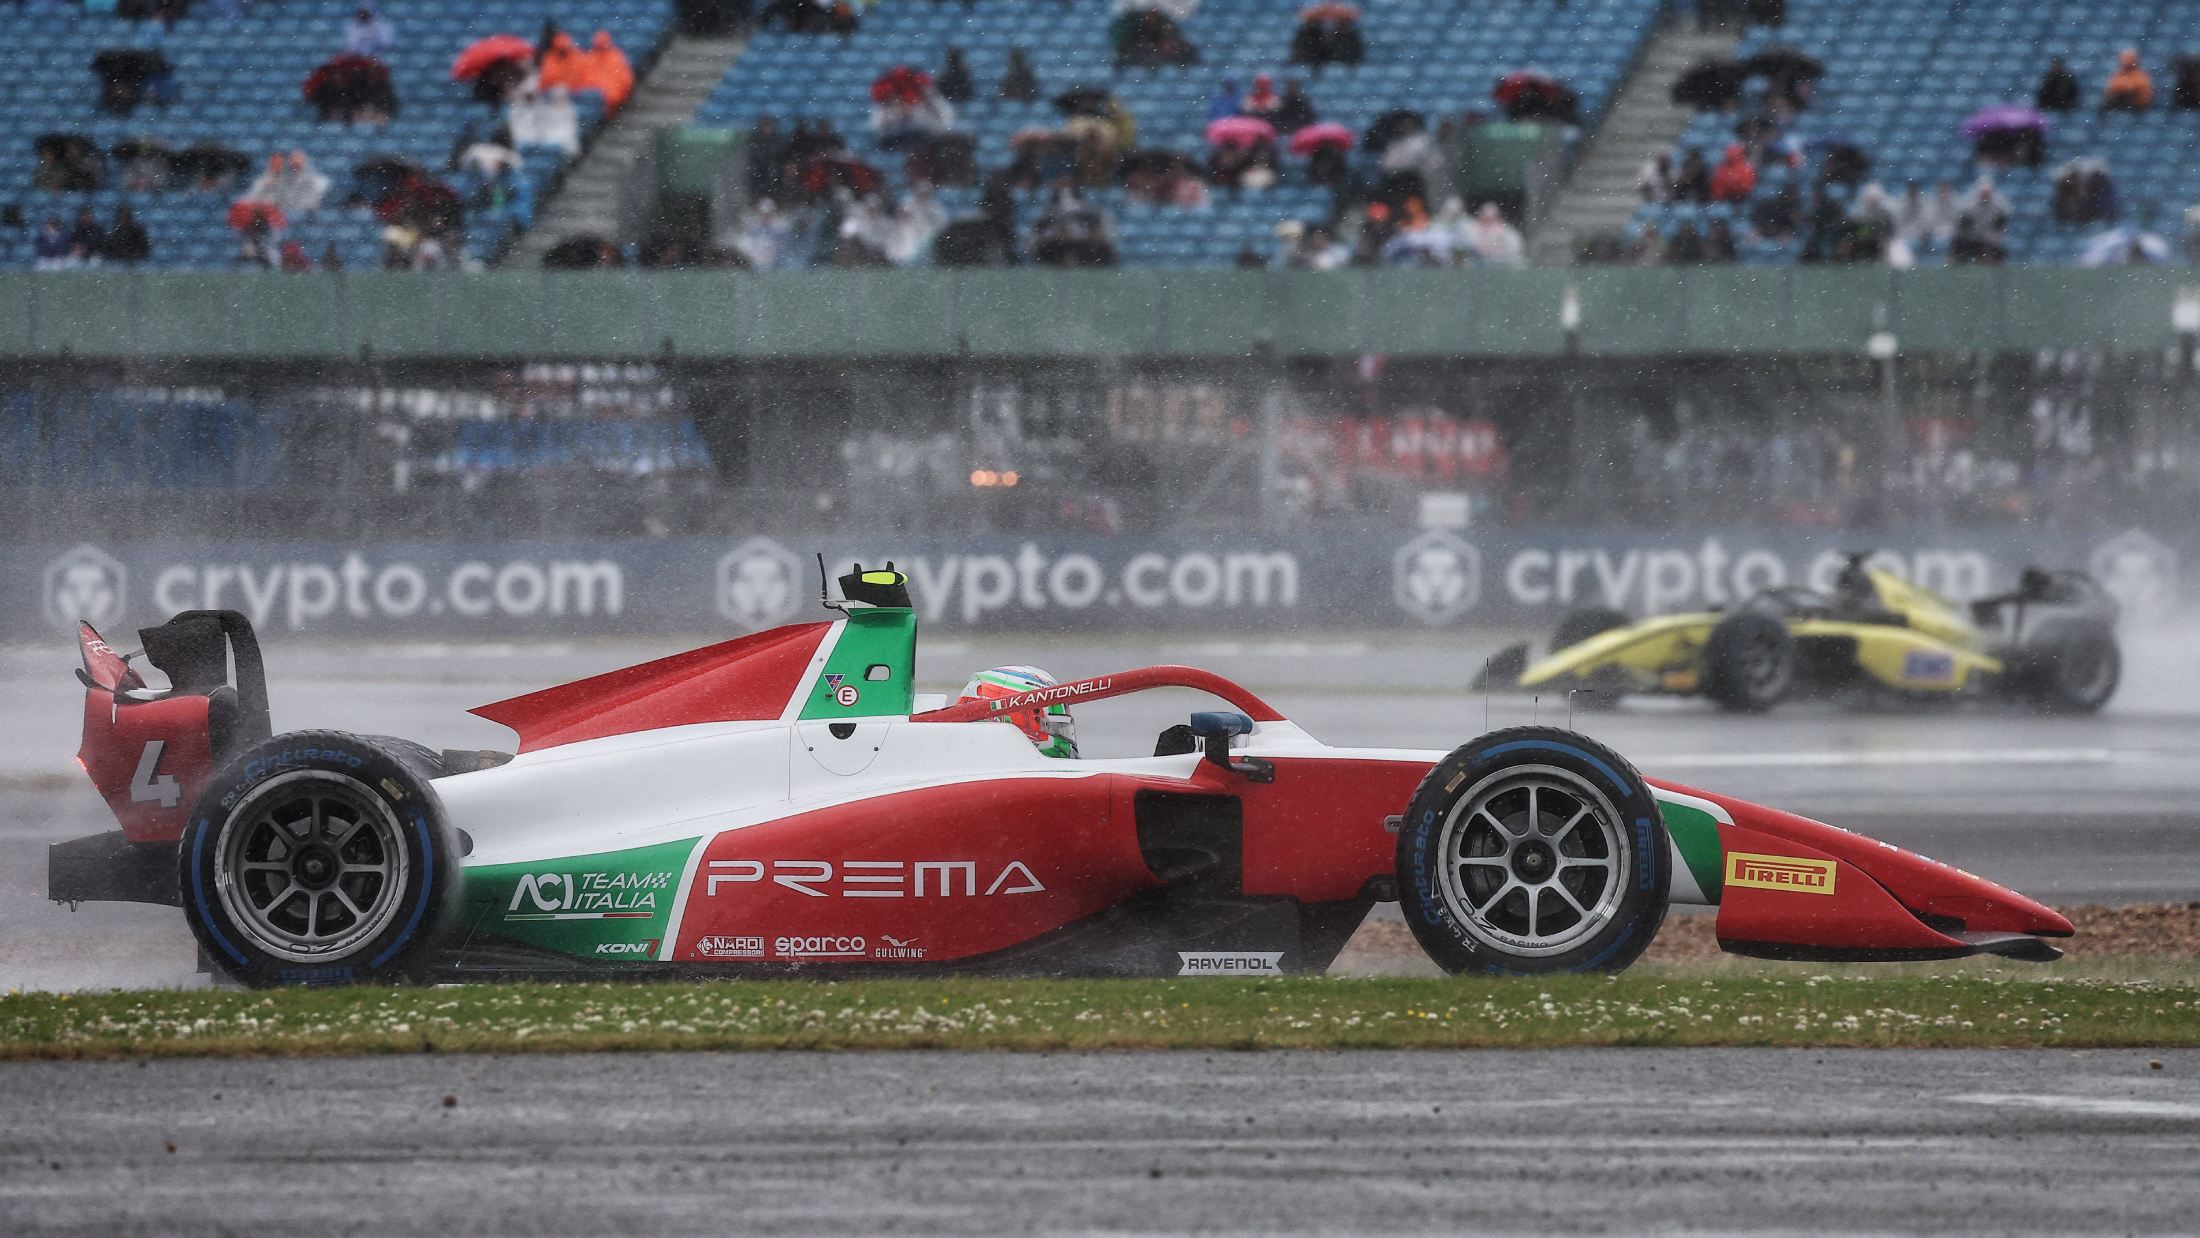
x=1779 y=872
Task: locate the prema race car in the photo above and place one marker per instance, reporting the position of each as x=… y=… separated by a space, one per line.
x=2050 y=644
x=785 y=803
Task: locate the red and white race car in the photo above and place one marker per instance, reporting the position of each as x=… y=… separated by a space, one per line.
x=781 y=803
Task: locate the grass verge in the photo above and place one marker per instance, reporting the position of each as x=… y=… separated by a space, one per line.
x=1801 y=1008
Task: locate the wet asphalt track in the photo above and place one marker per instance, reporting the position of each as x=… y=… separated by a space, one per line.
x=2073 y=810
x=1604 y=1141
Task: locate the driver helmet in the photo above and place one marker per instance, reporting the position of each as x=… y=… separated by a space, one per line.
x=1048 y=726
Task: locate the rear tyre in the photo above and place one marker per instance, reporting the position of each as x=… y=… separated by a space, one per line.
x=317 y=857
x=2071 y=667
x=1533 y=850
x=1749 y=662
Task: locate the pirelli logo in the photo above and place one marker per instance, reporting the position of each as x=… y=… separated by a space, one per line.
x=1779 y=872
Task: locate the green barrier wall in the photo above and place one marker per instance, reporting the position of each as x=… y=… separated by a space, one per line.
x=1031 y=313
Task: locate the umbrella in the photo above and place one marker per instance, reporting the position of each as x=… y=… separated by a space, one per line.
x=1312 y=138
x=245 y=212
x=2123 y=247
x=1240 y=131
x=1785 y=62
x=2086 y=163
x=482 y=53
x=2002 y=118
x=1710 y=83
x=1520 y=83
x=1330 y=12
x=1392 y=125
x=1082 y=101
x=1033 y=133
x=901 y=84
x=1151 y=161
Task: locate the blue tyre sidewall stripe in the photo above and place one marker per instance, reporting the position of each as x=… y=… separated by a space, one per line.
x=198 y=896
x=427 y=892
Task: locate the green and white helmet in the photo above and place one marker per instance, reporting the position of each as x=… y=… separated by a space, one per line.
x=1048 y=726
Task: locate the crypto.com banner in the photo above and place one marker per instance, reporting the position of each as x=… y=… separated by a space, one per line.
x=1360 y=580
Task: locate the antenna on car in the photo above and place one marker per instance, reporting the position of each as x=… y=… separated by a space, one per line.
x=825 y=587
x=1485 y=695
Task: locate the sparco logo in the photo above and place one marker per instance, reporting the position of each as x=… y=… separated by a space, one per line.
x=818 y=947
x=86 y=583
x=759 y=583
x=1436 y=577
x=730 y=947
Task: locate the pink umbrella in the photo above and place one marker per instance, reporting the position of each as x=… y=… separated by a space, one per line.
x=1328 y=133
x=1240 y=131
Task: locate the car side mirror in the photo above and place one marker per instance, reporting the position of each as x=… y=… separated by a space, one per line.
x=1214 y=729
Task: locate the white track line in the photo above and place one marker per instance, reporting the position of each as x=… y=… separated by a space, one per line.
x=1845 y=760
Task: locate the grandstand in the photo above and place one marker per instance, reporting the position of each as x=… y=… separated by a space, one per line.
x=1899 y=78
x=238 y=83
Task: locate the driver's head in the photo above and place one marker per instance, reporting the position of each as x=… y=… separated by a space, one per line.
x=1048 y=726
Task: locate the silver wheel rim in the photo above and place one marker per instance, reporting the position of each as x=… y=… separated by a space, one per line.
x=311 y=866
x=1763 y=670
x=1534 y=861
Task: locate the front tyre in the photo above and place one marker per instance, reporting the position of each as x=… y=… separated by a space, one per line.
x=317 y=857
x=2071 y=668
x=1533 y=850
x=1748 y=662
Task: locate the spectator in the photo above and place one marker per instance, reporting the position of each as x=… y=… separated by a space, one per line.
x=1778 y=215
x=1686 y=247
x=2084 y=194
x=1987 y=211
x=765 y=236
x=1018 y=82
x=332 y=259
x=766 y=153
x=126 y=243
x=292 y=258
x=1874 y=211
x=67 y=163
x=955 y=83
x=1073 y=233
x=353 y=89
x=50 y=248
x=507 y=195
x=87 y=240
x=914 y=111
x=1913 y=220
x=1944 y=212
x=608 y=71
x=1719 y=244
x=1971 y=245
x=2058 y=90
x=1328 y=34
x=1645 y=248
x=1294 y=111
x=545 y=120
x=293 y=186
x=129 y=76
x=917 y=220
x=1656 y=180
x=1262 y=102
x=2184 y=91
x=1149 y=37
x=1694 y=182
x=2129 y=88
x=1225 y=102
x=1493 y=240
x=366 y=34
x=563 y=65
x=1736 y=177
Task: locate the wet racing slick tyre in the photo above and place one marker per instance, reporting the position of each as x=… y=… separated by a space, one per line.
x=1749 y=662
x=1533 y=850
x=2070 y=667
x=317 y=857
x=1579 y=625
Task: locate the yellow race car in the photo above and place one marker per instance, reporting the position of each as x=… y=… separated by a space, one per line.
x=2050 y=643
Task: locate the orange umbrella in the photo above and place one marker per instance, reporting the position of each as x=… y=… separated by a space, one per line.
x=485 y=52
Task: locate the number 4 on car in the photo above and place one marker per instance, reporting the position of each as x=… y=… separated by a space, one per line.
x=785 y=803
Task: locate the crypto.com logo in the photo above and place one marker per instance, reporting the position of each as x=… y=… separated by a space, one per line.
x=88 y=584
x=2138 y=570
x=1436 y=577
x=759 y=584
